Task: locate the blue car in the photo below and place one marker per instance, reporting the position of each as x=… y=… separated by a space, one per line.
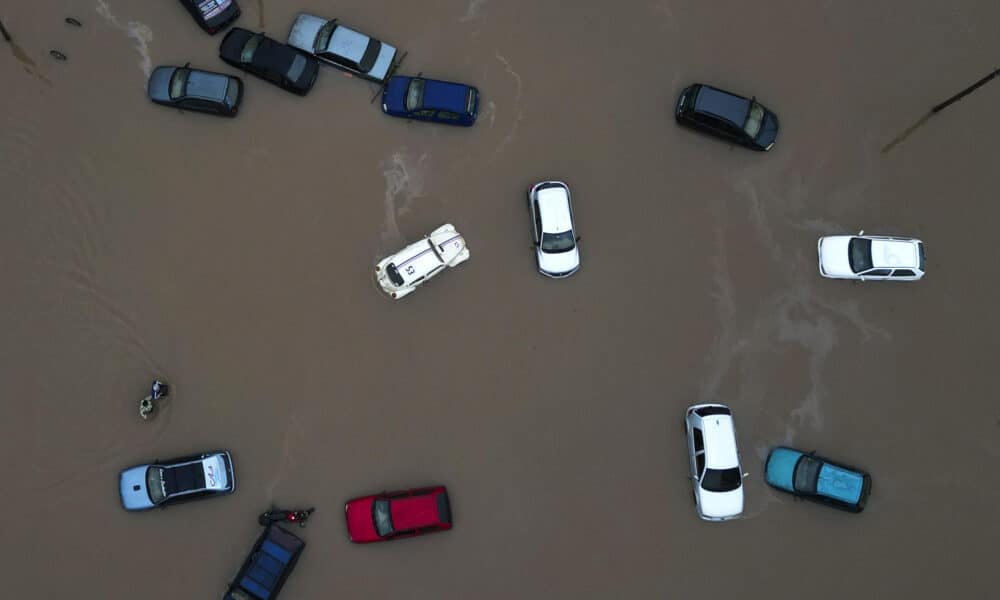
x=814 y=478
x=430 y=100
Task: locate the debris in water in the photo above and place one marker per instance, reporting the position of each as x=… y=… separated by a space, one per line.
x=73 y=22
x=3 y=30
x=57 y=55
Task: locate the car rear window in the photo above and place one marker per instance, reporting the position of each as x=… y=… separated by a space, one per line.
x=721 y=480
x=382 y=517
x=323 y=37
x=414 y=94
x=371 y=54
x=859 y=251
x=298 y=66
x=393 y=274
x=706 y=411
x=806 y=474
x=177 y=83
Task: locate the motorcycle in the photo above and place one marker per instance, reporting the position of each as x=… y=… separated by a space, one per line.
x=276 y=515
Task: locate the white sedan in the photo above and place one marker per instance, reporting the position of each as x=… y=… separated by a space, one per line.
x=552 y=227
x=864 y=257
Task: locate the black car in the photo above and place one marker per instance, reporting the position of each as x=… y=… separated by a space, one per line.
x=193 y=89
x=269 y=563
x=278 y=63
x=212 y=15
x=731 y=117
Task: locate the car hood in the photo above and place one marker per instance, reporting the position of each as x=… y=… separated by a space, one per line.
x=833 y=255
x=158 y=87
x=304 y=30
x=780 y=468
x=720 y=505
x=360 y=523
x=768 y=131
x=132 y=485
x=394 y=94
x=383 y=63
x=559 y=264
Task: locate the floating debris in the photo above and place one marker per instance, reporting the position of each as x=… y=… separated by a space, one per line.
x=73 y=22
x=57 y=55
x=3 y=30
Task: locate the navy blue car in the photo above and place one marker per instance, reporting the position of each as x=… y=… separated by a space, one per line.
x=814 y=478
x=726 y=115
x=430 y=100
x=265 y=570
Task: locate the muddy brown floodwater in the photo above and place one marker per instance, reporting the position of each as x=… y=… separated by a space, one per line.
x=233 y=257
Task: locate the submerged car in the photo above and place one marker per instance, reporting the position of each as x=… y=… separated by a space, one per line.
x=734 y=118
x=865 y=257
x=212 y=15
x=815 y=478
x=193 y=89
x=394 y=515
x=430 y=100
x=552 y=228
x=401 y=273
x=268 y=565
x=715 y=462
x=272 y=61
x=167 y=482
x=342 y=47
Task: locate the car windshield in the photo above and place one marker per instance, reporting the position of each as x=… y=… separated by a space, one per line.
x=371 y=53
x=393 y=274
x=754 y=119
x=859 y=251
x=382 y=517
x=414 y=94
x=298 y=66
x=323 y=37
x=558 y=242
x=156 y=486
x=178 y=82
x=246 y=55
x=721 y=480
x=806 y=475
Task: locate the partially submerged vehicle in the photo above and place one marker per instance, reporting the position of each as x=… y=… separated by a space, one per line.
x=183 y=479
x=401 y=273
x=343 y=47
x=815 y=478
x=269 y=563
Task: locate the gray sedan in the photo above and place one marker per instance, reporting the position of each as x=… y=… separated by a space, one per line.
x=342 y=47
x=193 y=89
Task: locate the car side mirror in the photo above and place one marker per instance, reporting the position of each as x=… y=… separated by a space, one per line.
x=745 y=475
x=578 y=238
x=862 y=232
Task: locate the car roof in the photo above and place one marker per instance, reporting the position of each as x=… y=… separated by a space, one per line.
x=348 y=43
x=720 y=442
x=444 y=95
x=553 y=204
x=419 y=255
x=721 y=104
x=894 y=254
x=203 y=84
x=414 y=511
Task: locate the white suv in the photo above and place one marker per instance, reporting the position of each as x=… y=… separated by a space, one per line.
x=715 y=462
x=401 y=273
x=866 y=257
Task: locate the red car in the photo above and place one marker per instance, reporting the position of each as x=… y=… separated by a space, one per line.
x=394 y=515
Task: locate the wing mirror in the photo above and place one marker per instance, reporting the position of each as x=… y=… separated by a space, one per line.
x=578 y=238
x=862 y=232
x=745 y=475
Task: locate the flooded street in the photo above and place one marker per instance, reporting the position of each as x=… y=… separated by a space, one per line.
x=233 y=257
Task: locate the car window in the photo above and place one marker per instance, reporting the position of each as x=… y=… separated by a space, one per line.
x=754 y=118
x=178 y=81
x=323 y=37
x=699 y=460
x=424 y=114
x=371 y=53
x=246 y=55
x=903 y=273
x=156 y=485
x=448 y=115
x=859 y=252
x=381 y=514
x=298 y=66
x=470 y=102
x=806 y=475
x=699 y=440
x=877 y=273
x=414 y=94
x=722 y=480
x=538 y=220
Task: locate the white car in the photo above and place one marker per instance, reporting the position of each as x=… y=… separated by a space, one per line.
x=866 y=257
x=401 y=273
x=715 y=462
x=177 y=480
x=342 y=47
x=555 y=237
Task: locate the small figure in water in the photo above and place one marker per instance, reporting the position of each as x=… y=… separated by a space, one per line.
x=158 y=391
x=276 y=515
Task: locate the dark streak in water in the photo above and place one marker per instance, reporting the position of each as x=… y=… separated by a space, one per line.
x=260 y=13
x=909 y=130
x=22 y=56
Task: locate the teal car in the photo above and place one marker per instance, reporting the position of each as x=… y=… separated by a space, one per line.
x=815 y=478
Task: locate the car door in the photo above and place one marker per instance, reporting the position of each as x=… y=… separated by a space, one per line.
x=903 y=274
x=876 y=274
x=422 y=115
x=696 y=452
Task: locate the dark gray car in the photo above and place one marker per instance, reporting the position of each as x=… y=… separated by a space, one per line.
x=729 y=116
x=193 y=89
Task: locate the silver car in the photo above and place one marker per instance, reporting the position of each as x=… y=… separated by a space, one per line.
x=342 y=47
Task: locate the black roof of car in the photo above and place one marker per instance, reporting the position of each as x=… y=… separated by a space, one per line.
x=722 y=104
